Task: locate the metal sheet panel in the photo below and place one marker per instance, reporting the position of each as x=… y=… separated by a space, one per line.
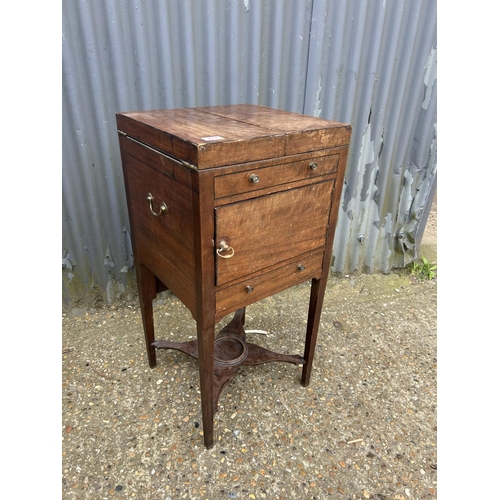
x=371 y=64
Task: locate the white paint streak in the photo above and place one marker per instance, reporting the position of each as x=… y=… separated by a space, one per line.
x=430 y=76
x=317 y=109
x=367 y=148
x=247 y=5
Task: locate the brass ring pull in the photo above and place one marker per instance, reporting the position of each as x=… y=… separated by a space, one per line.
x=224 y=247
x=163 y=206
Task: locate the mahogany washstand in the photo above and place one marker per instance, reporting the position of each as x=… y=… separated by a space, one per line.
x=229 y=205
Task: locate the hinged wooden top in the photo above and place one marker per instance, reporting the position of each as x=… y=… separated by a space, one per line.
x=214 y=136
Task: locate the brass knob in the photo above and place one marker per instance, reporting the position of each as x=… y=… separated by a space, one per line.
x=301 y=267
x=254 y=178
x=249 y=289
x=313 y=165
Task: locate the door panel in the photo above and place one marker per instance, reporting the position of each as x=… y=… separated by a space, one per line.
x=265 y=231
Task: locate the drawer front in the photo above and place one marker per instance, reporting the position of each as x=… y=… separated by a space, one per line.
x=255 y=179
x=168 y=234
x=254 y=289
x=265 y=231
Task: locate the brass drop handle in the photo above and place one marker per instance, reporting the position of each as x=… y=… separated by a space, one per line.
x=313 y=165
x=163 y=206
x=224 y=247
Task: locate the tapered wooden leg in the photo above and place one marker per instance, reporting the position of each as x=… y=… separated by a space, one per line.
x=206 y=368
x=146 y=284
x=315 y=304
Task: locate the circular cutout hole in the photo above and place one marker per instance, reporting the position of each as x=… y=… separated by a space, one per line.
x=229 y=351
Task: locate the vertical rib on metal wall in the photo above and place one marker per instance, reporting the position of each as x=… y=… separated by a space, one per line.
x=371 y=64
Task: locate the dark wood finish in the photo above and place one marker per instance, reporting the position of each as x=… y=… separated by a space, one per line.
x=257 y=287
x=170 y=235
x=270 y=229
x=275 y=176
x=318 y=286
x=251 y=197
x=205 y=299
x=147 y=292
x=302 y=133
x=203 y=139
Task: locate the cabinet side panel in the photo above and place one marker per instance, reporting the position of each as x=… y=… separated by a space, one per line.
x=163 y=242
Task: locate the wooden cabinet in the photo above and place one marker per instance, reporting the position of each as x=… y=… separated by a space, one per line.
x=228 y=205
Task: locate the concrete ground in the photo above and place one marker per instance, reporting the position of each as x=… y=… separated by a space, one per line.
x=365 y=428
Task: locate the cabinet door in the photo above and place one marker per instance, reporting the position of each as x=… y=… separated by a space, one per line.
x=268 y=230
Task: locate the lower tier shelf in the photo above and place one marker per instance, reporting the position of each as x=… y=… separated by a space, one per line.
x=231 y=350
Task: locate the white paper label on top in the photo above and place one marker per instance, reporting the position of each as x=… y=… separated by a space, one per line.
x=213 y=138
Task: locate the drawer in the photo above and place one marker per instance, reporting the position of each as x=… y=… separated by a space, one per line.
x=264 y=231
x=169 y=235
x=261 y=178
x=258 y=287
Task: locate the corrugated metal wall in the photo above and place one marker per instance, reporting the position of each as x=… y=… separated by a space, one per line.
x=368 y=63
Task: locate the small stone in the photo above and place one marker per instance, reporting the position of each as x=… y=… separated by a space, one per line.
x=119 y=487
